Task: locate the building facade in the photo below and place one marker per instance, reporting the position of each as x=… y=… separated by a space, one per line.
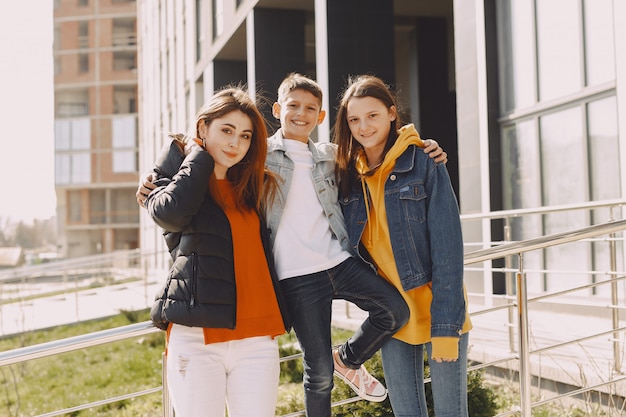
x=526 y=96
x=96 y=107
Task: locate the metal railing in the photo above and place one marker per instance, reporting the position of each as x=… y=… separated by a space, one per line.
x=522 y=299
x=519 y=302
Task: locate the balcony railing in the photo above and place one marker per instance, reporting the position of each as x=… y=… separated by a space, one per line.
x=516 y=304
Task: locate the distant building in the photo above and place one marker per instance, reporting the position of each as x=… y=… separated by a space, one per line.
x=11 y=257
x=95 y=85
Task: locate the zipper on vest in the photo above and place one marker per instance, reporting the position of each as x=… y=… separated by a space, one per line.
x=194 y=265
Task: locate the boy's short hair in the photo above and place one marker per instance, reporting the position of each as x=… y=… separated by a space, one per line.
x=295 y=81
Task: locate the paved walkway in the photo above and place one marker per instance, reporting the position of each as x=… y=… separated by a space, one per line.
x=74 y=306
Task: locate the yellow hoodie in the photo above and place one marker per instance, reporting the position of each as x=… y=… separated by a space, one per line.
x=378 y=244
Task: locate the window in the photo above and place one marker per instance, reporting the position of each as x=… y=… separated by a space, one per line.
x=83 y=63
x=124 y=132
x=522 y=187
x=97 y=206
x=599 y=41
x=72 y=146
x=517 y=63
x=558 y=47
x=72 y=134
x=200 y=27
x=547 y=56
x=561 y=133
x=603 y=148
x=217 y=7
x=62 y=169
x=72 y=103
x=124 y=161
x=604 y=163
x=57 y=37
x=124 y=32
x=124 y=99
x=72 y=168
x=124 y=60
x=83 y=34
x=124 y=206
x=81 y=168
x=124 y=144
x=74 y=206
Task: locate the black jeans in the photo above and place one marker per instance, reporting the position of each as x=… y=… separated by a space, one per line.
x=309 y=299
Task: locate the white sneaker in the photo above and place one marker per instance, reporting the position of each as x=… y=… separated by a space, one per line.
x=363 y=384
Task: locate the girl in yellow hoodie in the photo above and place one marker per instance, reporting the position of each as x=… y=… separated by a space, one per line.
x=402 y=217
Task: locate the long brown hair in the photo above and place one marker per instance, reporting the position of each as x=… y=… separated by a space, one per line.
x=249 y=174
x=348 y=148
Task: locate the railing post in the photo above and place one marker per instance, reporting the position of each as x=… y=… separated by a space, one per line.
x=509 y=284
x=143 y=261
x=1 y=304
x=617 y=358
x=76 y=300
x=524 y=353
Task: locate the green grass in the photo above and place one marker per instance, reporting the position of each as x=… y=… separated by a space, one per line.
x=91 y=374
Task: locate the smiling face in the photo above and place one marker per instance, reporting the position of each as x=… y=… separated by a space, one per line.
x=227 y=139
x=369 y=121
x=299 y=112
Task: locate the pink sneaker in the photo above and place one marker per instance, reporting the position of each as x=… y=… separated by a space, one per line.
x=364 y=384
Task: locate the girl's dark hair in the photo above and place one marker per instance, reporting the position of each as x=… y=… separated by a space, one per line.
x=348 y=148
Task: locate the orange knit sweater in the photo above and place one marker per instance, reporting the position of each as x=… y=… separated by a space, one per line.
x=257 y=309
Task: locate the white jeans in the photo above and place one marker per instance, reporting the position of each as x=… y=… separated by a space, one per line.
x=241 y=374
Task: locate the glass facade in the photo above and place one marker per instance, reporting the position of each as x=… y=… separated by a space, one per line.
x=558 y=121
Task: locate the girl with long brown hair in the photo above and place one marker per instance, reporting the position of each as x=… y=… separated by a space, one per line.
x=220 y=305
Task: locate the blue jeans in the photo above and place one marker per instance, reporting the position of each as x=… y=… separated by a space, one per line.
x=309 y=300
x=404 y=374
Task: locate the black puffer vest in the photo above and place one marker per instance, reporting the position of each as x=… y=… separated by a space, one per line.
x=200 y=290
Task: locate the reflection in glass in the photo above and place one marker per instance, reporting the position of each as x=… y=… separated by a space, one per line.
x=564 y=158
x=558 y=48
x=599 y=41
x=517 y=62
x=604 y=164
x=603 y=149
x=564 y=165
x=522 y=189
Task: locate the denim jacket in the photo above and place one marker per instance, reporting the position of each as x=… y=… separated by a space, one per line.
x=324 y=181
x=425 y=232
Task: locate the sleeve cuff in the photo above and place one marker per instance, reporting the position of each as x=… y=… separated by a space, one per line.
x=445 y=347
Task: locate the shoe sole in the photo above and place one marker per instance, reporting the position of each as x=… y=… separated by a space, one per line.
x=356 y=390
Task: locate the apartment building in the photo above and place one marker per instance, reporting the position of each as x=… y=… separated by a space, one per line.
x=96 y=107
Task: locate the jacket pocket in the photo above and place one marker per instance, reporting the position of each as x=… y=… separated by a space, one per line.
x=412 y=200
